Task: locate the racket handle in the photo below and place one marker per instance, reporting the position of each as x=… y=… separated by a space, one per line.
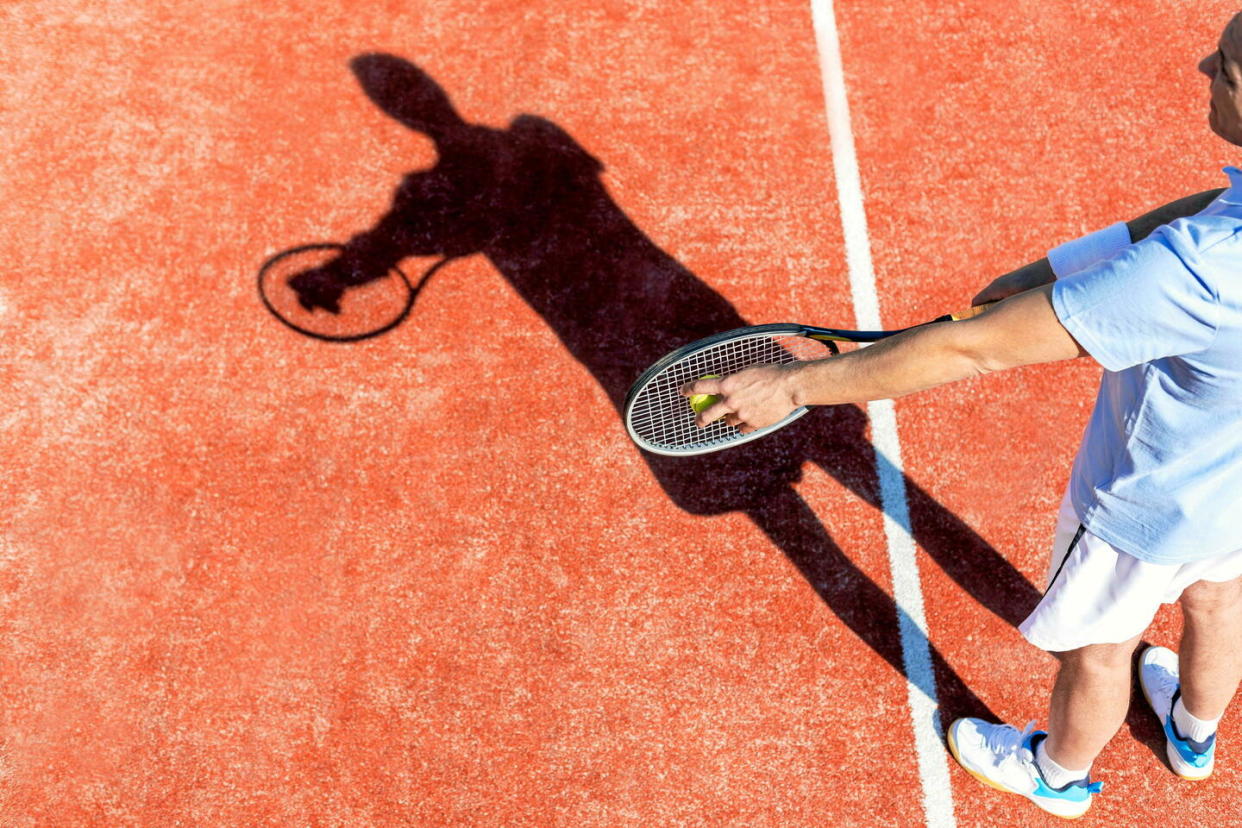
x=969 y=312
x=960 y=315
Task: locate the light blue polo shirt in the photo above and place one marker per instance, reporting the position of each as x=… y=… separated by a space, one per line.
x=1159 y=472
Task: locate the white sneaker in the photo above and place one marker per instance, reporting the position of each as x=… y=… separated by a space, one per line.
x=1003 y=757
x=1158 y=676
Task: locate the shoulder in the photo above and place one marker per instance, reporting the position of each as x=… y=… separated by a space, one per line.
x=1205 y=232
x=546 y=138
x=1209 y=245
x=1216 y=229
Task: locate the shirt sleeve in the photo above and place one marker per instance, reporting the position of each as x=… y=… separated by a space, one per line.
x=1143 y=304
x=1072 y=256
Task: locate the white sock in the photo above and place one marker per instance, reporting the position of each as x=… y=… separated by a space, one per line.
x=1055 y=775
x=1191 y=728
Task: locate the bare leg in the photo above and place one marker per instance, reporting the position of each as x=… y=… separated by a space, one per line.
x=1210 y=658
x=1089 y=701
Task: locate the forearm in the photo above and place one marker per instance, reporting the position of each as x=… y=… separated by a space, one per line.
x=1022 y=330
x=370 y=254
x=1142 y=227
x=913 y=361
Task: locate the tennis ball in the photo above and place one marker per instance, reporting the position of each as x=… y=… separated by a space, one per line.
x=702 y=402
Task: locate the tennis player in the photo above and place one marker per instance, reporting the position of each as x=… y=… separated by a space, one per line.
x=1153 y=511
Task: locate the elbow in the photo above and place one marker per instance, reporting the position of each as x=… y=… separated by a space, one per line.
x=975 y=357
x=981 y=364
x=974 y=368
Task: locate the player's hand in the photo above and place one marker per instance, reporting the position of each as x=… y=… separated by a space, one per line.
x=320 y=287
x=1008 y=285
x=752 y=399
x=1023 y=279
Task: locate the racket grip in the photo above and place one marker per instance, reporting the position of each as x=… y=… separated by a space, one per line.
x=969 y=312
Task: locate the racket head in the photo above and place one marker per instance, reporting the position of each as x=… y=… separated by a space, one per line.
x=366 y=310
x=660 y=420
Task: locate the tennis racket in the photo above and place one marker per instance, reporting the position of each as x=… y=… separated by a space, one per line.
x=660 y=420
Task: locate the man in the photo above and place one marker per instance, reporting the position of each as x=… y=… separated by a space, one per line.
x=1151 y=515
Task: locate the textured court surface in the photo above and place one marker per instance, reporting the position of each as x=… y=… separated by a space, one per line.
x=249 y=578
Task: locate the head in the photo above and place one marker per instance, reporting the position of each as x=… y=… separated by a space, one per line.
x=1224 y=67
x=406 y=93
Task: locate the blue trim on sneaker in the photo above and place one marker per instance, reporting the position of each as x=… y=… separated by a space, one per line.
x=1076 y=791
x=1192 y=752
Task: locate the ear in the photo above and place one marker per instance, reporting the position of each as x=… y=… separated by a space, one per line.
x=406 y=93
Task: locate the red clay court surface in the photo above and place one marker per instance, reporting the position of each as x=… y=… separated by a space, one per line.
x=250 y=578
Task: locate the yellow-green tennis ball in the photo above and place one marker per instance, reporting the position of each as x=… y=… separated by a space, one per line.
x=702 y=402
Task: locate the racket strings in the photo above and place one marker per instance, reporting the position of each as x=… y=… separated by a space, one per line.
x=662 y=417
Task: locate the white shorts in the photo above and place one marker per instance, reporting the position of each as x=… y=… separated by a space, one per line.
x=1100 y=595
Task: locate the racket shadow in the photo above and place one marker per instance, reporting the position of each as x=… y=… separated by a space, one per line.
x=531 y=200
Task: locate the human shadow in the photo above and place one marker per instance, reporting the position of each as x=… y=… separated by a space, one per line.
x=531 y=200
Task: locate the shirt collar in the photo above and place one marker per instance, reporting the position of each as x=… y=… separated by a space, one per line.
x=1234 y=194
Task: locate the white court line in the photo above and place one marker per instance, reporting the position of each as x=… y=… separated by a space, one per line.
x=907 y=593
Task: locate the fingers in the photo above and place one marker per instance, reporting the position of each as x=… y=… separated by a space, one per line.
x=721 y=410
x=713 y=413
x=1000 y=288
x=708 y=385
x=748 y=400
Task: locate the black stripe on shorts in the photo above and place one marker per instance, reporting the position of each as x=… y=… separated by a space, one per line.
x=1068 y=552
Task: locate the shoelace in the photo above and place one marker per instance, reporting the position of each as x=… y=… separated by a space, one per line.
x=1006 y=740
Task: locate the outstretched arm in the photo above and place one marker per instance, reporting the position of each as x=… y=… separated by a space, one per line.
x=1040 y=273
x=1022 y=330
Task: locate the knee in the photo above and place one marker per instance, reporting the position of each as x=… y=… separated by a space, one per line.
x=1205 y=598
x=1100 y=658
